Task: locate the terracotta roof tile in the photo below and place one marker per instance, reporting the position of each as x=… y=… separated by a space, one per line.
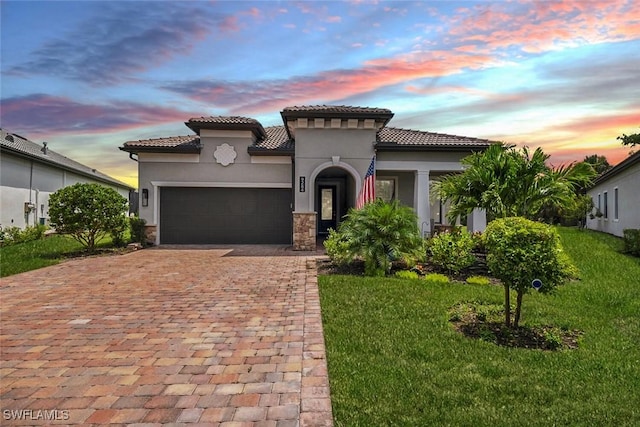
x=390 y=136
x=277 y=140
x=191 y=141
x=341 y=109
x=228 y=120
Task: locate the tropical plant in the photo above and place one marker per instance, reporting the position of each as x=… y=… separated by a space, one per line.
x=508 y=182
x=452 y=251
x=520 y=251
x=87 y=212
x=599 y=163
x=379 y=234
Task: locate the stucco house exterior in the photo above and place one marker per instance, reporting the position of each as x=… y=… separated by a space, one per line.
x=616 y=195
x=234 y=181
x=30 y=173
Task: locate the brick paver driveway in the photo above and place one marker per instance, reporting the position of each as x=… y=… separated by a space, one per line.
x=163 y=336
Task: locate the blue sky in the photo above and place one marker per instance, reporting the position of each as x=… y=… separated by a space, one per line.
x=88 y=76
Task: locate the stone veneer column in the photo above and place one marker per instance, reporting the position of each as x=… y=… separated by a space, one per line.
x=151 y=233
x=304 y=231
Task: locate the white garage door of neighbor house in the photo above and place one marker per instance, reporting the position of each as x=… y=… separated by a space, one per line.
x=195 y=215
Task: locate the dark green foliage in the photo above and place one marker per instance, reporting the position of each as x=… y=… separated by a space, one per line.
x=379 y=233
x=452 y=251
x=136 y=226
x=519 y=251
x=509 y=182
x=600 y=163
x=15 y=235
x=630 y=140
x=87 y=212
x=631 y=239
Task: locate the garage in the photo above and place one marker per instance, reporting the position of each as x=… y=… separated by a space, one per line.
x=195 y=215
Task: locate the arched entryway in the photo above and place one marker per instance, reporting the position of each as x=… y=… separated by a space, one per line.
x=334 y=193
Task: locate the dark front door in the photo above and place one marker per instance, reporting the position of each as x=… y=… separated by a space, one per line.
x=327 y=215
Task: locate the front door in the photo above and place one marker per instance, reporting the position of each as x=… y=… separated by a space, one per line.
x=327 y=215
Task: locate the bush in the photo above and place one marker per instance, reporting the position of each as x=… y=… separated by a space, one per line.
x=631 y=238
x=379 y=233
x=406 y=274
x=452 y=251
x=87 y=212
x=478 y=280
x=519 y=251
x=436 y=279
x=15 y=235
x=136 y=226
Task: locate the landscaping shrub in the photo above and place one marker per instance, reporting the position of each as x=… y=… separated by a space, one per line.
x=406 y=274
x=478 y=280
x=15 y=235
x=379 y=233
x=452 y=251
x=436 y=278
x=136 y=226
x=631 y=238
x=87 y=212
x=519 y=251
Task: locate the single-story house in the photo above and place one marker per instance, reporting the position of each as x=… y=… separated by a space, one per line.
x=237 y=182
x=616 y=197
x=30 y=172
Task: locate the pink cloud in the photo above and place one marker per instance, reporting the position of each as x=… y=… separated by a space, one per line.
x=39 y=115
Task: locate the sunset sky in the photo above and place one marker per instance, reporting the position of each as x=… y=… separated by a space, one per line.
x=87 y=76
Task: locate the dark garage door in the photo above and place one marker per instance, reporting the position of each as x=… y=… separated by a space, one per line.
x=225 y=215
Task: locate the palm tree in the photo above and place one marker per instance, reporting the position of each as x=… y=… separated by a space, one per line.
x=508 y=182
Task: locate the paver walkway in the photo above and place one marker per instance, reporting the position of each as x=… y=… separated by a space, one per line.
x=165 y=336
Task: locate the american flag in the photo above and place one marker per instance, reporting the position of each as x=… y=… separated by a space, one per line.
x=368 y=190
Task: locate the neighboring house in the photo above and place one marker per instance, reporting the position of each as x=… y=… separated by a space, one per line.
x=616 y=195
x=30 y=172
x=237 y=182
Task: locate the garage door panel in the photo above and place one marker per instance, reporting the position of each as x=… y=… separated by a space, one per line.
x=225 y=215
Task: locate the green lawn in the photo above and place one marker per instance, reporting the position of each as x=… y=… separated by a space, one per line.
x=395 y=360
x=39 y=253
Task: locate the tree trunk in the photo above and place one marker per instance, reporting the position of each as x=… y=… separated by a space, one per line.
x=516 y=321
x=507 y=306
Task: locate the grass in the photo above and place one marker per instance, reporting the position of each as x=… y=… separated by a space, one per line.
x=36 y=254
x=395 y=360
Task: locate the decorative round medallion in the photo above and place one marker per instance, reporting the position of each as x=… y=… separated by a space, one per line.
x=225 y=154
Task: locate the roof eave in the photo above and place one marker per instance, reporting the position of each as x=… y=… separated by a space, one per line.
x=620 y=167
x=256 y=128
x=386 y=146
x=64 y=167
x=183 y=150
x=256 y=151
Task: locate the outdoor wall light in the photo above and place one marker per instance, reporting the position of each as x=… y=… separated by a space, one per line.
x=145 y=197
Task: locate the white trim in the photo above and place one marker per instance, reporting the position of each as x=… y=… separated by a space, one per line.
x=346 y=166
x=400 y=165
x=271 y=160
x=221 y=184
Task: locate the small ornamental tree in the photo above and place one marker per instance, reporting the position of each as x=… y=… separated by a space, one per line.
x=379 y=234
x=519 y=251
x=87 y=212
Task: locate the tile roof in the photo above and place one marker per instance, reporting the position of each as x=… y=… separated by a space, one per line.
x=226 y=122
x=339 y=109
x=389 y=137
x=277 y=140
x=175 y=144
x=22 y=146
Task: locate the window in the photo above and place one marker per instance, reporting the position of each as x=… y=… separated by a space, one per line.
x=599 y=204
x=606 y=207
x=386 y=188
x=615 y=203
